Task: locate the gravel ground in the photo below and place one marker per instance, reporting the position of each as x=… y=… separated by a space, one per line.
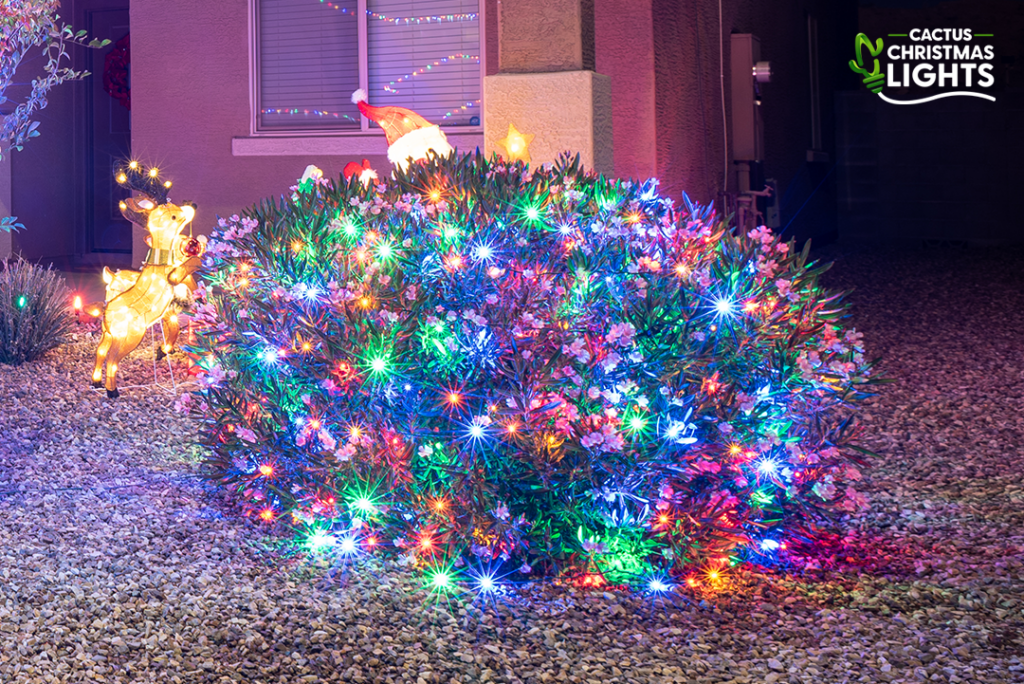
x=118 y=565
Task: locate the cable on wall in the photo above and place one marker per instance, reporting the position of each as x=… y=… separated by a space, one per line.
x=721 y=78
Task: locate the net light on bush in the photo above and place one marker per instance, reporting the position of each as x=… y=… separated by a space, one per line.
x=596 y=368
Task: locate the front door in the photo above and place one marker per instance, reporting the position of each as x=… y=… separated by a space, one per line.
x=108 y=143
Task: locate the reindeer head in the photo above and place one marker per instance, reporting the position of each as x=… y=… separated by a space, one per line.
x=163 y=220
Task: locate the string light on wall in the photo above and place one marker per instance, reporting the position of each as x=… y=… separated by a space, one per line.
x=338 y=115
x=308 y=112
x=424 y=69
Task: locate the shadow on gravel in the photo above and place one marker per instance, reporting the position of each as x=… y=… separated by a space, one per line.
x=944 y=534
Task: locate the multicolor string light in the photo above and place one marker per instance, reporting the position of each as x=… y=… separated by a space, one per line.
x=463 y=108
x=337 y=115
x=428 y=19
x=292 y=111
x=390 y=87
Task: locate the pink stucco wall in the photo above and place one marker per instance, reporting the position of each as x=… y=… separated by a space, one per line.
x=624 y=38
x=661 y=56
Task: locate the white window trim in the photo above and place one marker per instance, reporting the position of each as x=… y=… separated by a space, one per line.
x=369 y=140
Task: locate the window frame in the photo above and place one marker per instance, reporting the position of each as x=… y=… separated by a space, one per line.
x=366 y=127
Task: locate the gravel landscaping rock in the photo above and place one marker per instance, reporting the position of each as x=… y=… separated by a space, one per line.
x=117 y=564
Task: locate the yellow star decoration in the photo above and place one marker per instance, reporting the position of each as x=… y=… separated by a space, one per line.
x=517 y=144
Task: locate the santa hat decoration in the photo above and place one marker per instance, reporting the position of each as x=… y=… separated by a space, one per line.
x=363 y=171
x=409 y=134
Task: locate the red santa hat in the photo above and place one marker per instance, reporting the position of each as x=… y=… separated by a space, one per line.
x=408 y=133
x=363 y=171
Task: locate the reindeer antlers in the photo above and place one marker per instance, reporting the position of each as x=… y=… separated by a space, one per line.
x=145 y=181
x=137 y=177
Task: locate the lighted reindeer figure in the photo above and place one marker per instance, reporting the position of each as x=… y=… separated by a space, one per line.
x=172 y=260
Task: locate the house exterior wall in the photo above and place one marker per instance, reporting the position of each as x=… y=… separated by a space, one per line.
x=691 y=150
x=189 y=97
x=191 y=100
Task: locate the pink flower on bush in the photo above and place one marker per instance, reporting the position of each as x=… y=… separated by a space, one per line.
x=246 y=435
x=826 y=490
x=621 y=334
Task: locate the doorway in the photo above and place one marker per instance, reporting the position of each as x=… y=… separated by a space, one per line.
x=107 y=136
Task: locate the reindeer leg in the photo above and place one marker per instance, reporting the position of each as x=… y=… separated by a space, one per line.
x=114 y=357
x=119 y=350
x=101 y=357
x=171 y=328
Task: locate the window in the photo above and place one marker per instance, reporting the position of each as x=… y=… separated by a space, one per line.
x=312 y=54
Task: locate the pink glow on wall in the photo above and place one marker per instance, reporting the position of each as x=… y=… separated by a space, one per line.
x=625 y=53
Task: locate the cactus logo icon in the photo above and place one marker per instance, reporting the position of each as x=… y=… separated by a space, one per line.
x=874 y=79
x=954 y=61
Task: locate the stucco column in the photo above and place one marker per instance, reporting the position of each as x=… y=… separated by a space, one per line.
x=546 y=84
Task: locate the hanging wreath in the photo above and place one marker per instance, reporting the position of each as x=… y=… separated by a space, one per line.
x=115 y=72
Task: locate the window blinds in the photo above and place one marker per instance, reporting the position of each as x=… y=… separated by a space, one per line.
x=308 y=56
x=425 y=55
x=420 y=54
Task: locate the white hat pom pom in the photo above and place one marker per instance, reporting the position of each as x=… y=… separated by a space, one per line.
x=359 y=96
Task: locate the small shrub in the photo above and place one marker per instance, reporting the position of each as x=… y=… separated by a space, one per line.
x=34 y=311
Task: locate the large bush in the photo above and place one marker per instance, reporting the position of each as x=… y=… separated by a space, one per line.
x=34 y=311
x=475 y=361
